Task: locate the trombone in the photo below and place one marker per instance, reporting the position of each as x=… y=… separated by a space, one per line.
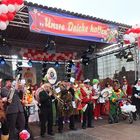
x=57 y=97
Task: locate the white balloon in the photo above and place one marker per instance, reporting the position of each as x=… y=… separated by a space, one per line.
x=3 y=25
x=126 y=37
x=7 y=22
x=132 y=40
x=11 y=8
x=18 y=7
x=4 y=8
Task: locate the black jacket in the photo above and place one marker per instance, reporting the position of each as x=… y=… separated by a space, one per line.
x=45 y=101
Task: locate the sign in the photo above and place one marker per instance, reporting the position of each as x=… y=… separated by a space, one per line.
x=29 y=74
x=51 y=75
x=48 y=22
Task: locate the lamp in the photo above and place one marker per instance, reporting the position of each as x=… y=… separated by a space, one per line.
x=129 y=57
x=30 y=63
x=56 y=64
x=85 y=60
x=2 y=61
x=121 y=54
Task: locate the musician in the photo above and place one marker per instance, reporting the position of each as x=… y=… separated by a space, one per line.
x=46 y=113
x=126 y=87
x=4 y=124
x=65 y=108
x=14 y=110
x=87 y=104
x=97 y=110
x=116 y=95
x=136 y=98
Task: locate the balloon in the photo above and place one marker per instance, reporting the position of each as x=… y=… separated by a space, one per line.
x=10 y=16
x=132 y=40
x=17 y=7
x=19 y=2
x=5 y=2
x=0 y=10
x=4 y=8
x=11 y=8
x=11 y=1
x=7 y=22
x=3 y=17
x=3 y=25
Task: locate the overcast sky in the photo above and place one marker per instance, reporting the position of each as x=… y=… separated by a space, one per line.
x=124 y=11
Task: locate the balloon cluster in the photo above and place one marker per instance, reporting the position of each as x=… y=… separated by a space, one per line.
x=8 y=9
x=24 y=135
x=132 y=34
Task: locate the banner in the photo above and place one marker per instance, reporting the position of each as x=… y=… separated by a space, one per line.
x=48 y=22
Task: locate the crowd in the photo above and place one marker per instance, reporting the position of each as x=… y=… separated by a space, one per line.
x=65 y=102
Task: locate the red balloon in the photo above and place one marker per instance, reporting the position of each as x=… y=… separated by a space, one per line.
x=10 y=16
x=5 y=2
x=19 y=2
x=11 y=1
x=3 y=17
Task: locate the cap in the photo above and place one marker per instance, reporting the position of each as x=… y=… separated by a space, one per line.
x=95 y=81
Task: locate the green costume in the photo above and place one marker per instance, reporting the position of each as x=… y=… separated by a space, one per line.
x=113 y=104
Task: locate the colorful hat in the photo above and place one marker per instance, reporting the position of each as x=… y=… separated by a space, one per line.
x=95 y=81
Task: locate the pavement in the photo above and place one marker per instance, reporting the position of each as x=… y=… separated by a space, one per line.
x=102 y=131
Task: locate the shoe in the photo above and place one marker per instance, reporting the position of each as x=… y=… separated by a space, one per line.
x=74 y=129
x=91 y=126
x=60 y=131
x=84 y=127
x=95 y=118
x=42 y=135
x=51 y=133
x=100 y=118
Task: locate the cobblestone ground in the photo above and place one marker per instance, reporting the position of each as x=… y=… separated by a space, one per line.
x=101 y=131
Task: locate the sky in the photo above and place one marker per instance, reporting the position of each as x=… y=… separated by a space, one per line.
x=122 y=11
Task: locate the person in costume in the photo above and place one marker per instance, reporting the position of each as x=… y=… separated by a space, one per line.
x=126 y=87
x=136 y=98
x=97 y=93
x=117 y=94
x=65 y=108
x=87 y=101
x=14 y=109
x=106 y=94
x=46 y=113
x=4 y=125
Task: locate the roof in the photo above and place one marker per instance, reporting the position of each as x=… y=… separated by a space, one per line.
x=76 y=14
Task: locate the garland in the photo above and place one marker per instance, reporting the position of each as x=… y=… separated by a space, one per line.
x=8 y=9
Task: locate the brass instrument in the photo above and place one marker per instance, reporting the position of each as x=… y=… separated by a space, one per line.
x=57 y=97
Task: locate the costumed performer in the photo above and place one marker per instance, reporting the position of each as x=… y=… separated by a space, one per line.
x=117 y=94
x=87 y=105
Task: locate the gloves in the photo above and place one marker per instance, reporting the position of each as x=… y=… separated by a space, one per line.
x=136 y=95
